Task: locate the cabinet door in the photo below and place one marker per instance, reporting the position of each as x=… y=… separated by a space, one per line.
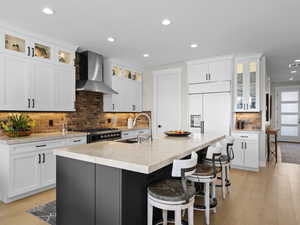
x=238 y=149
x=198 y=73
x=117 y=98
x=14 y=83
x=24 y=173
x=65 y=88
x=214 y=121
x=240 y=87
x=220 y=70
x=43 y=86
x=139 y=98
x=48 y=168
x=251 y=154
x=253 y=87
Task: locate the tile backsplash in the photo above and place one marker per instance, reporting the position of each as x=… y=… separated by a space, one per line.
x=252 y=120
x=89 y=114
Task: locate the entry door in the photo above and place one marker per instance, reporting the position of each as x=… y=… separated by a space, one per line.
x=288 y=114
x=167 y=100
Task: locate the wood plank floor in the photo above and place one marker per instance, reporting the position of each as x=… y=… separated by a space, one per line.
x=270 y=197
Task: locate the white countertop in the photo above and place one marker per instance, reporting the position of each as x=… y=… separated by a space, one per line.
x=36 y=137
x=143 y=158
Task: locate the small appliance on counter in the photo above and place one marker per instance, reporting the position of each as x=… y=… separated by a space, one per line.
x=240 y=124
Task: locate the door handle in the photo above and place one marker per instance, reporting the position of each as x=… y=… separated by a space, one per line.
x=242 y=145
x=40 y=158
x=40 y=146
x=159 y=126
x=44 y=158
x=113 y=105
x=29 y=103
x=33 y=103
x=32 y=52
x=209 y=76
x=245 y=145
x=28 y=51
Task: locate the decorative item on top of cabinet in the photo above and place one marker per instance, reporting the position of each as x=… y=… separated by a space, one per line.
x=42 y=51
x=14 y=43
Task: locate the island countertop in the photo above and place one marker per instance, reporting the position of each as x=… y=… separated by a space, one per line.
x=142 y=158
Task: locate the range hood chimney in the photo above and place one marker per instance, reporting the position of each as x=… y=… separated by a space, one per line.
x=91 y=74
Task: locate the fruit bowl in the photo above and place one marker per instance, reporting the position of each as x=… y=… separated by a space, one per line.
x=177 y=133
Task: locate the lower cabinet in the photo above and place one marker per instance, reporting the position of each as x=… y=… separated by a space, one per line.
x=29 y=168
x=246 y=151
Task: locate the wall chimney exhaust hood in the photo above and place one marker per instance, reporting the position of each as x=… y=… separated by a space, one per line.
x=91 y=74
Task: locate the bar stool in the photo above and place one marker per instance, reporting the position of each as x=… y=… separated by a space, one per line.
x=207 y=174
x=227 y=155
x=173 y=194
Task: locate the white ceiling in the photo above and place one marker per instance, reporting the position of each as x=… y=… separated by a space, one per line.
x=219 y=27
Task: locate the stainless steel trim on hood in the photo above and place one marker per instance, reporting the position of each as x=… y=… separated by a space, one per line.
x=91 y=74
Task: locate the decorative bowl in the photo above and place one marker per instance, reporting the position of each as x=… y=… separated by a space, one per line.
x=177 y=134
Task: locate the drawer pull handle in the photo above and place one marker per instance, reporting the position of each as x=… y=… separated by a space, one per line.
x=125 y=133
x=76 y=140
x=40 y=146
x=244 y=136
x=44 y=158
x=40 y=158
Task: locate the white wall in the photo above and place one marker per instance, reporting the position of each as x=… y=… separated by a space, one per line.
x=148 y=89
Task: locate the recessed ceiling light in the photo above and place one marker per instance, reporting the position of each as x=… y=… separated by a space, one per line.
x=111 y=39
x=194 y=45
x=293 y=71
x=146 y=55
x=291 y=78
x=48 y=11
x=166 y=22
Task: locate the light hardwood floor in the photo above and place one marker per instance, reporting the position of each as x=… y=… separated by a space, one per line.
x=270 y=197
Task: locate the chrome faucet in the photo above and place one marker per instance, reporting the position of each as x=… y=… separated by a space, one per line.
x=149 y=124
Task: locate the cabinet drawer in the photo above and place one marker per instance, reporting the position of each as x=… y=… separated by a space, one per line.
x=37 y=146
x=245 y=136
x=76 y=141
x=143 y=132
x=129 y=134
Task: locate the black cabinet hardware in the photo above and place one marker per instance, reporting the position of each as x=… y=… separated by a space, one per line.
x=33 y=103
x=159 y=126
x=40 y=146
x=32 y=52
x=28 y=102
x=113 y=105
x=245 y=145
x=206 y=76
x=242 y=145
x=28 y=51
x=44 y=157
x=76 y=140
x=209 y=76
x=244 y=136
x=40 y=159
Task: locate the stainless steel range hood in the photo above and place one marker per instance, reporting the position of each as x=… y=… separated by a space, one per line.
x=91 y=74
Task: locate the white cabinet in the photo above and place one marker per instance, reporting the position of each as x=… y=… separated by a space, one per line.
x=15 y=82
x=247 y=84
x=35 y=75
x=30 y=168
x=211 y=70
x=134 y=133
x=64 y=88
x=24 y=173
x=246 y=151
x=128 y=84
x=48 y=168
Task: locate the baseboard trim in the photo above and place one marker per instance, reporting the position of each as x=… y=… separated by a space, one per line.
x=6 y=199
x=245 y=168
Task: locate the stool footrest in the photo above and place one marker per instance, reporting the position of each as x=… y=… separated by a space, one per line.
x=170 y=220
x=213 y=204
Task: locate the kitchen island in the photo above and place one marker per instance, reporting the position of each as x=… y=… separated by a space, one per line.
x=105 y=183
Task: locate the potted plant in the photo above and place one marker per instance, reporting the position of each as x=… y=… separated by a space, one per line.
x=17 y=125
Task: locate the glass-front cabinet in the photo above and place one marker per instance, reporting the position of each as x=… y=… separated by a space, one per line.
x=14 y=44
x=64 y=57
x=247 y=84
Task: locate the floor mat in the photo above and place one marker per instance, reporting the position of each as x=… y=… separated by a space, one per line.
x=290 y=152
x=45 y=212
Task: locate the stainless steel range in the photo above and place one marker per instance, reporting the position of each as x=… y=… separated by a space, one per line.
x=101 y=134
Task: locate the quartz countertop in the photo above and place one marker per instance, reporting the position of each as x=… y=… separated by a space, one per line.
x=36 y=137
x=142 y=158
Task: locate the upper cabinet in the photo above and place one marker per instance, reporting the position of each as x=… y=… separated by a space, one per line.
x=247 y=85
x=128 y=84
x=35 y=75
x=211 y=70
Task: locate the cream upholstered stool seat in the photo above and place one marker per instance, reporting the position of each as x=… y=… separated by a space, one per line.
x=206 y=174
x=173 y=194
